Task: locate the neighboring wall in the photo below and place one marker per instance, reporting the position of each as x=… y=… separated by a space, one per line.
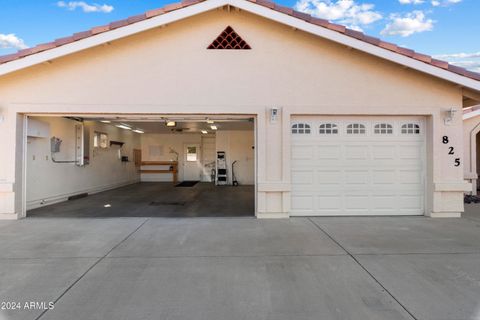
x=471 y=128
x=238 y=146
x=49 y=182
x=156 y=147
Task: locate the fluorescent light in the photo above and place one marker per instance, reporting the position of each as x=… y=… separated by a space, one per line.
x=171 y=123
x=204 y=131
x=105 y=121
x=107 y=206
x=214 y=127
x=123 y=126
x=138 y=131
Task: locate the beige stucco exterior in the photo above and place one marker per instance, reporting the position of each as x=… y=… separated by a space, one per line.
x=169 y=71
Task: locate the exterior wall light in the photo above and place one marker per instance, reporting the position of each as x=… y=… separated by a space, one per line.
x=450 y=115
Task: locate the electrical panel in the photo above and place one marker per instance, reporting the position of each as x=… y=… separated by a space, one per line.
x=55 y=144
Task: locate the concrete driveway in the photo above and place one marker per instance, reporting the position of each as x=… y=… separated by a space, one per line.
x=241 y=268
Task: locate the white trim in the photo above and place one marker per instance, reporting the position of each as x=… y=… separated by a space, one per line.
x=470 y=115
x=445 y=215
x=252 y=8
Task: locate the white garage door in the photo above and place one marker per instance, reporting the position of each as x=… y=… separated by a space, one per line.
x=358 y=165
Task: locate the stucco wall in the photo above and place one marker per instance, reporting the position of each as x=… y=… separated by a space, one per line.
x=49 y=182
x=168 y=70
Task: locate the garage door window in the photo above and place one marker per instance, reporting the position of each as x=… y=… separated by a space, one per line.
x=356 y=128
x=328 y=128
x=301 y=128
x=383 y=128
x=410 y=128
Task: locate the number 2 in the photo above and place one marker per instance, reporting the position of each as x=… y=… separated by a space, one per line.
x=451 y=150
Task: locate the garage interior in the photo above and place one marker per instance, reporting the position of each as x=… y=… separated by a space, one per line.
x=139 y=166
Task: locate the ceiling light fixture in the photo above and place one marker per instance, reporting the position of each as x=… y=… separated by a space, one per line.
x=122 y=126
x=138 y=131
x=105 y=121
x=171 y=123
x=204 y=131
x=214 y=127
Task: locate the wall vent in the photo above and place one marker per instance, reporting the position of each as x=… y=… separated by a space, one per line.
x=229 y=39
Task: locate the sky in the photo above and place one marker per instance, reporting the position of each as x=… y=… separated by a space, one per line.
x=446 y=29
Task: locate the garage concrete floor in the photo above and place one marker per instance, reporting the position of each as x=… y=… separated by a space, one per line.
x=214 y=268
x=149 y=199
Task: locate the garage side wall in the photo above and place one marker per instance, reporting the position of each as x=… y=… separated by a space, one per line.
x=169 y=70
x=49 y=182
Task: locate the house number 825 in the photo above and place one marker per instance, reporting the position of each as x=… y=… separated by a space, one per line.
x=451 y=150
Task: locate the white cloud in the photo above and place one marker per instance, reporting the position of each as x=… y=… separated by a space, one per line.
x=458 y=55
x=347 y=12
x=411 y=1
x=11 y=41
x=470 y=65
x=469 y=61
x=444 y=3
x=72 y=5
x=410 y=23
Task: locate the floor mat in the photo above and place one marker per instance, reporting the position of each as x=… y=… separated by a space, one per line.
x=187 y=183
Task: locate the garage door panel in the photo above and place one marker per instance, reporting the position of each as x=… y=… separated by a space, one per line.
x=384 y=203
x=411 y=152
x=302 y=177
x=357 y=177
x=358 y=174
x=357 y=203
x=330 y=177
x=410 y=177
x=302 y=152
x=383 y=153
x=303 y=203
x=329 y=203
x=326 y=152
x=356 y=152
x=384 y=176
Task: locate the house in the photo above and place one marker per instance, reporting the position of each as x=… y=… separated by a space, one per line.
x=316 y=119
x=471 y=140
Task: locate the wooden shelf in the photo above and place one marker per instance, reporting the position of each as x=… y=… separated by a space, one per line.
x=172 y=168
x=158 y=171
x=159 y=163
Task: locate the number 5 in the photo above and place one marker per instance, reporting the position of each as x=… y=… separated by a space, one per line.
x=457 y=162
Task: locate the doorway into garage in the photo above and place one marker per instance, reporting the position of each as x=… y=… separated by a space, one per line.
x=358 y=165
x=148 y=166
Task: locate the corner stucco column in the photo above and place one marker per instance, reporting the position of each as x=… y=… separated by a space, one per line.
x=445 y=158
x=11 y=168
x=273 y=165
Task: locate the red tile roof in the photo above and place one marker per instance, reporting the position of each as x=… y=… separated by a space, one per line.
x=266 y=3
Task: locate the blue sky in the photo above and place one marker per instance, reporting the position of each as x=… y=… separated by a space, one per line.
x=449 y=29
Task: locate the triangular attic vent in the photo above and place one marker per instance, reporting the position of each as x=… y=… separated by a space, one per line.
x=229 y=39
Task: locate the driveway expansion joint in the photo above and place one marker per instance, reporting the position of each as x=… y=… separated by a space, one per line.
x=93 y=266
x=365 y=269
